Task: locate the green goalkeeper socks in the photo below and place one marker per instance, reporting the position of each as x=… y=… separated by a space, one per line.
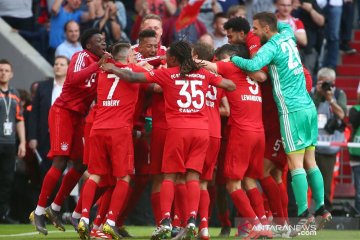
x=316 y=183
x=300 y=188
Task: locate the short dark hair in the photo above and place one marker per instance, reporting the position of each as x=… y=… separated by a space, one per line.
x=62 y=56
x=146 y=33
x=68 y=22
x=204 y=51
x=117 y=47
x=237 y=24
x=5 y=61
x=219 y=15
x=229 y=49
x=267 y=18
x=85 y=37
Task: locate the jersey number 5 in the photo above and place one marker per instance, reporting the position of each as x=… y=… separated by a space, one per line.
x=190 y=95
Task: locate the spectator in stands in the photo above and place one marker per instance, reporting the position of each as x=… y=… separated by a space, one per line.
x=46 y=94
x=219 y=34
x=331 y=107
x=121 y=14
x=207 y=13
x=346 y=27
x=11 y=122
x=236 y=11
x=108 y=22
x=164 y=8
x=227 y=4
x=207 y=39
x=333 y=10
x=354 y=119
x=283 y=14
x=191 y=33
x=62 y=12
x=71 y=45
x=311 y=14
x=256 y=6
x=17 y=13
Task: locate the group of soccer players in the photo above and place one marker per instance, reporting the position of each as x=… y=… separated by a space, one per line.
x=184 y=90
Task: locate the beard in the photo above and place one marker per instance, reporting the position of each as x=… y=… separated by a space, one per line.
x=263 y=39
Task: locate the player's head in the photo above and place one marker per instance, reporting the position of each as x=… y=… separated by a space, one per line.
x=284 y=8
x=93 y=41
x=219 y=20
x=154 y=22
x=203 y=51
x=120 y=51
x=60 y=66
x=72 y=31
x=179 y=54
x=6 y=72
x=236 y=11
x=228 y=50
x=148 y=44
x=237 y=29
x=264 y=25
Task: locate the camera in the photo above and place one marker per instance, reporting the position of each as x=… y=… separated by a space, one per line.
x=326 y=86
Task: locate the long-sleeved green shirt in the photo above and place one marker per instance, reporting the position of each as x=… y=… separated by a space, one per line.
x=282 y=57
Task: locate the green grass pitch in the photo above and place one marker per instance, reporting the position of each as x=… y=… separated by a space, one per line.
x=27 y=231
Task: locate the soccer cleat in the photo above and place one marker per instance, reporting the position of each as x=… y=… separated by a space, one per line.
x=97 y=234
x=124 y=233
x=204 y=234
x=306 y=219
x=322 y=216
x=83 y=230
x=112 y=230
x=259 y=232
x=163 y=230
x=74 y=222
x=175 y=231
x=225 y=232
x=243 y=230
x=55 y=218
x=190 y=230
x=39 y=222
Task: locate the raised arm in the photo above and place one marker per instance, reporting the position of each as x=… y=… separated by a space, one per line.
x=227 y=84
x=125 y=75
x=262 y=58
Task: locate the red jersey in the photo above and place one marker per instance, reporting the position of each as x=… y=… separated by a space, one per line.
x=246 y=101
x=213 y=99
x=270 y=112
x=157 y=103
x=252 y=43
x=184 y=96
x=116 y=100
x=91 y=115
x=79 y=88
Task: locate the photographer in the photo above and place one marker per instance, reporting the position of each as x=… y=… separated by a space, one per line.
x=331 y=107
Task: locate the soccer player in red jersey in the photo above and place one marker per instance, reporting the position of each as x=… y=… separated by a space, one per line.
x=244 y=159
x=66 y=122
x=216 y=103
x=184 y=85
x=111 y=146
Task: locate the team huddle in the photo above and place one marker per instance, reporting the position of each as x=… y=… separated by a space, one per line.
x=116 y=109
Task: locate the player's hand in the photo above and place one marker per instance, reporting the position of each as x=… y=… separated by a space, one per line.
x=107 y=67
x=22 y=150
x=104 y=57
x=33 y=144
x=226 y=60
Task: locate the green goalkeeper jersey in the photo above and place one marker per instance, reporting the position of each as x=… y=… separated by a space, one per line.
x=282 y=57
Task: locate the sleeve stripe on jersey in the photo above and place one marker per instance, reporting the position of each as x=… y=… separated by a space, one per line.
x=79 y=62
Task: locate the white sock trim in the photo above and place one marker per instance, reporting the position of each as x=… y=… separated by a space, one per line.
x=55 y=207
x=39 y=210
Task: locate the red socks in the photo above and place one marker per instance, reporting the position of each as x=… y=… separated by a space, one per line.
x=272 y=192
x=193 y=194
x=88 y=197
x=118 y=199
x=68 y=183
x=48 y=186
x=204 y=209
x=284 y=199
x=104 y=207
x=167 y=192
x=257 y=204
x=180 y=205
x=242 y=204
x=155 y=204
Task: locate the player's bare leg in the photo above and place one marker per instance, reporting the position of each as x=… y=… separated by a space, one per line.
x=316 y=183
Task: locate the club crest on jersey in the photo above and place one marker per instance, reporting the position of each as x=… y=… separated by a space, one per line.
x=64 y=146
